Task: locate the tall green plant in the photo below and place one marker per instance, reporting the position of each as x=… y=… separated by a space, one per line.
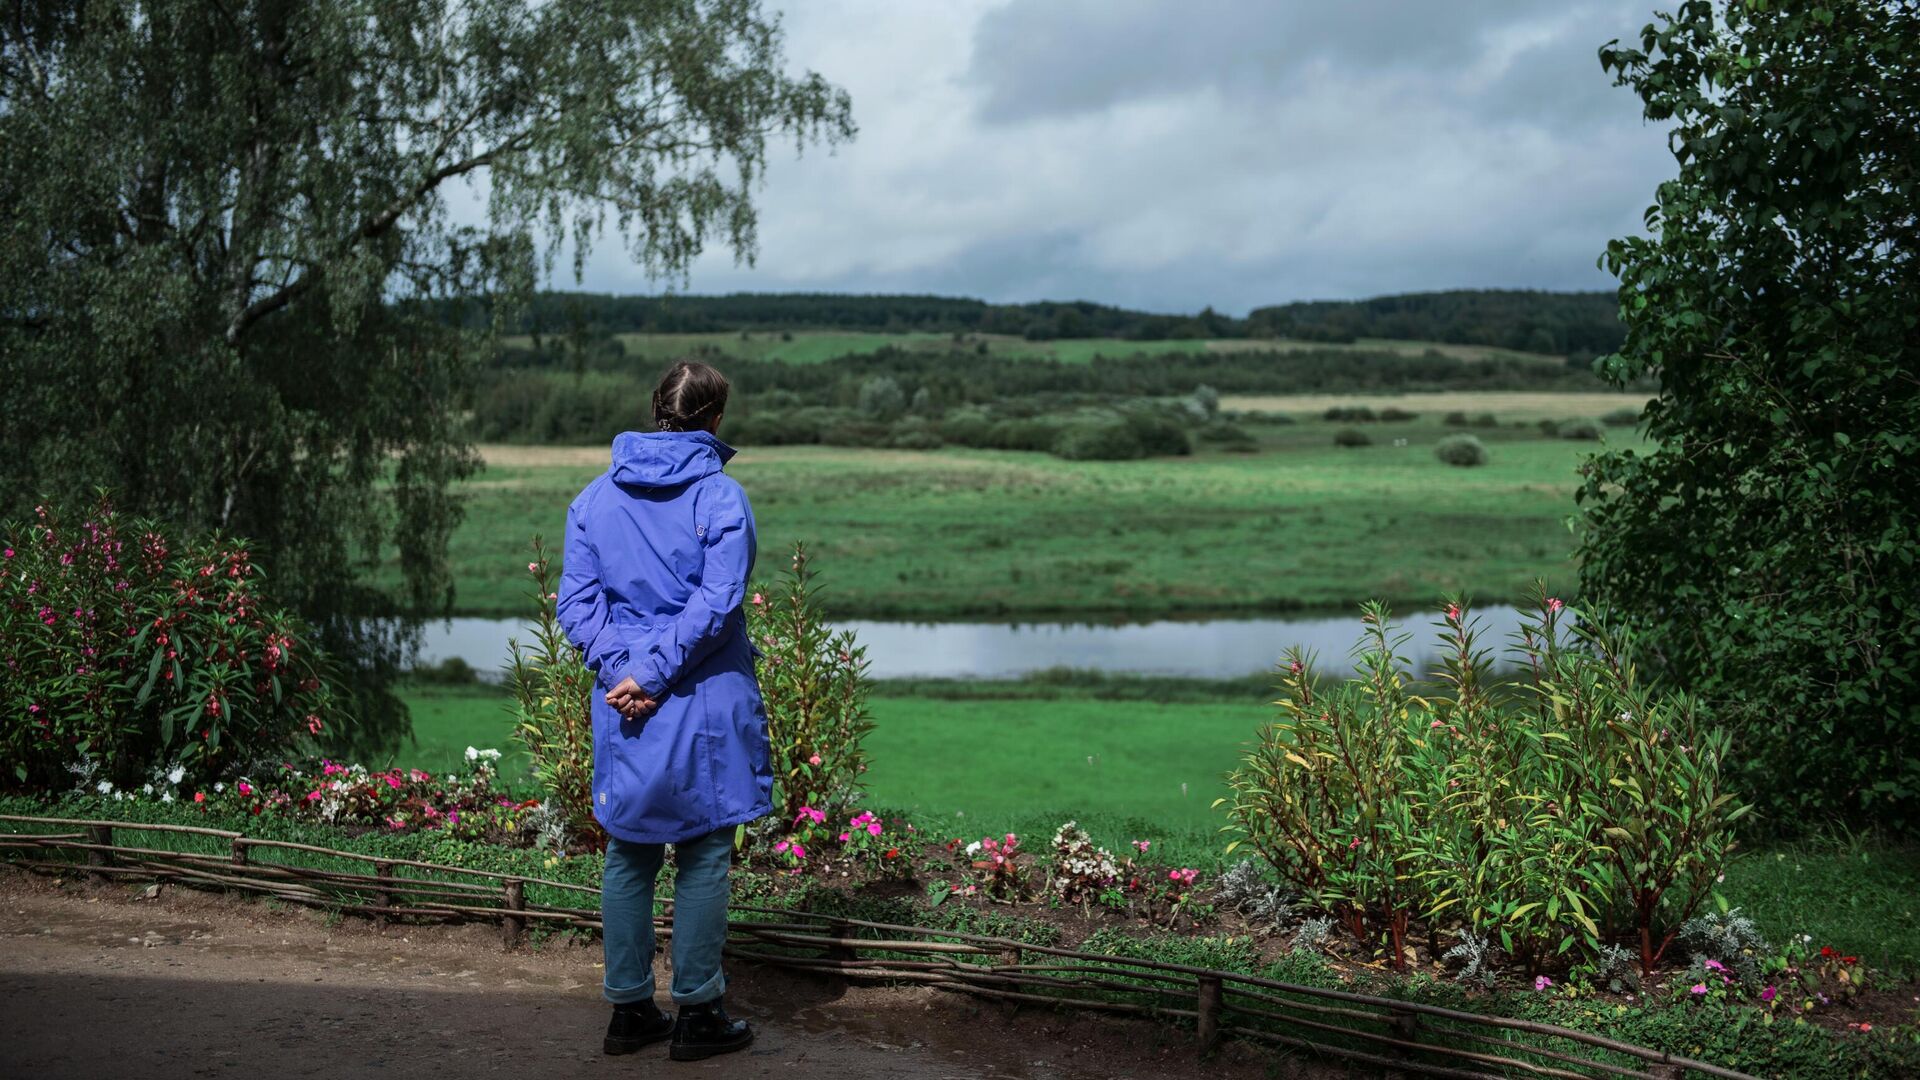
x=1570 y=808
x=1323 y=794
x=814 y=682
x=553 y=708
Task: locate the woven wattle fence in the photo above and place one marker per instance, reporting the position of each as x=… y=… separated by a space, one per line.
x=1396 y=1035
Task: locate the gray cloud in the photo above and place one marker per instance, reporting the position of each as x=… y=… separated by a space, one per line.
x=1169 y=156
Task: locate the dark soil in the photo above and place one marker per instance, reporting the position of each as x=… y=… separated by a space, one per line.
x=100 y=983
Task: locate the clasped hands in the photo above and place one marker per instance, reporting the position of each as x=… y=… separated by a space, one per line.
x=632 y=701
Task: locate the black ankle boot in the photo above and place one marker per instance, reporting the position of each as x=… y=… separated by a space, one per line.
x=705 y=1030
x=636 y=1025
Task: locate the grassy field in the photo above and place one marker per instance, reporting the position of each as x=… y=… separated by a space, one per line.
x=959 y=533
x=985 y=762
x=814 y=346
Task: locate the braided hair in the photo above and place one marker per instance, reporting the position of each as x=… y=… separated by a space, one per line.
x=689 y=397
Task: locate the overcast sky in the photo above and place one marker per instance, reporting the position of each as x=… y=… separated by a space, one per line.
x=1168 y=155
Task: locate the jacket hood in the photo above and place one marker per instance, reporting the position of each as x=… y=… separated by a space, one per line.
x=661 y=459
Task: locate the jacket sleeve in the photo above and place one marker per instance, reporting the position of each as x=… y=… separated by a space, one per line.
x=727 y=551
x=582 y=607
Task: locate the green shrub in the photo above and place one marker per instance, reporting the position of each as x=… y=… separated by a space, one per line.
x=814 y=681
x=553 y=707
x=1581 y=429
x=1549 y=428
x=131 y=652
x=1393 y=415
x=1568 y=808
x=882 y=399
x=1098 y=440
x=1455 y=419
x=1037 y=434
x=915 y=433
x=1349 y=413
x=1159 y=435
x=1621 y=418
x=967 y=427
x=450 y=671
x=1464 y=450
x=797 y=428
x=1486 y=420
x=1228 y=436
x=856 y=433
x=1351 y=437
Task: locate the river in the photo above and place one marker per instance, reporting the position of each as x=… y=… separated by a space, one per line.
x=1213 y=648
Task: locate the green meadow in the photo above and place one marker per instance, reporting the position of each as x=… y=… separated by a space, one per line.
x=1298 y=523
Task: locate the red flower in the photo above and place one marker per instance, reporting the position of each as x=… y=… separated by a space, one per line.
x=893 y=853
x=199 y=796
x=1849 y=959
x=1826 y=950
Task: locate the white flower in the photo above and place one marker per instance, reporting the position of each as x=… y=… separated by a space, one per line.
x=490 y=755
x=219 y=787
x=472 y=754
x=973 y=848
x=176 y=774
x=148 y=788
x=166 y=796
x=105 y=787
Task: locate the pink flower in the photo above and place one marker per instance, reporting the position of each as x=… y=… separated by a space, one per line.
x=759 y=600
x=781 y=848
x=1698 y=988
x=814 y=760
x=9 y=553
x=845 y=836
x=799 y=852
x=1768 y=994
x=873 y=828
x=1142 y=845
x=245 y=788
x=1554 y=604
x=1355 y=844
x=1715 y=965
x=533 y=568
x=1541 y=982
x=1453 y=612
x=313 y=796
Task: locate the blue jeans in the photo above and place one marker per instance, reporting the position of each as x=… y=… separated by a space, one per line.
x=699 y=917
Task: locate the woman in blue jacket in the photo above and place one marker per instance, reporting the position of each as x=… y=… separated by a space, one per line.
x=658 y=553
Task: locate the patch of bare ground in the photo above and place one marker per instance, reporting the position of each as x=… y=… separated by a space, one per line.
x=99 y=983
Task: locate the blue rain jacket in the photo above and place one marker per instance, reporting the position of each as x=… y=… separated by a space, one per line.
x=658 y=554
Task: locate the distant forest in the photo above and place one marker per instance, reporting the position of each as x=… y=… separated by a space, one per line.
x=1582 y=324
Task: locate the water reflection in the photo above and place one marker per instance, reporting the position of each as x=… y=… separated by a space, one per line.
x=1220 y=648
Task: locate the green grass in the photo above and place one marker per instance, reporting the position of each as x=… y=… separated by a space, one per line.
x=962 y=533
x=1858 y=895
x=448 y=719
x=815 y=346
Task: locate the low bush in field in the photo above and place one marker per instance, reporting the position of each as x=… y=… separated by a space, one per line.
x=132 y=653
x=1352 y=414
x=1580 y=429
x=1228 y=436
x=1621 y=418
x=1098 y=440
x=1352 y=437
x=1393 y=415
x=1464 y=450
x=1568 y=811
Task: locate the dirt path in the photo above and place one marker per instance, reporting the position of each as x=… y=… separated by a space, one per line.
x=97 y=983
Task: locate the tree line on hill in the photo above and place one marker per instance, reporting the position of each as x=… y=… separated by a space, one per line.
x=1582 y=323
